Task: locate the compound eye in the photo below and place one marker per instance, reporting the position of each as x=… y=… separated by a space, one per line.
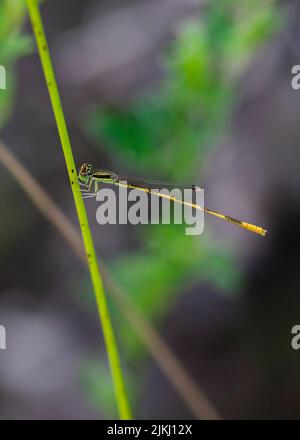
x=86 y=169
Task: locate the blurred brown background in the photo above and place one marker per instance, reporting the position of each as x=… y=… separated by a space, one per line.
x=234 y=341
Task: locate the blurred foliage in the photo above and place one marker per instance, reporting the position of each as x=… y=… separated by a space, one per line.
x=101 y=391
x=169 y=133
x=170 y=130
x=13 y=44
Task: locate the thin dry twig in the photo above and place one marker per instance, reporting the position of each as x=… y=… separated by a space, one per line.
x=195 y=398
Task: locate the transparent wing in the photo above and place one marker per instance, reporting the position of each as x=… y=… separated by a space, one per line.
x=154 y=184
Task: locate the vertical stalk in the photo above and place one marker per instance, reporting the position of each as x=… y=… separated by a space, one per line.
x=109 y=337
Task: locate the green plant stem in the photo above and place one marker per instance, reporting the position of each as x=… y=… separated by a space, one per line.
x=109 y=337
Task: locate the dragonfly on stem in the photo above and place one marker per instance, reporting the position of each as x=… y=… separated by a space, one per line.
x=89 y=178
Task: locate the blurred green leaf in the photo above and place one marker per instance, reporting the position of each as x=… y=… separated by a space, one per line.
x=95 y=378
x=13 y=45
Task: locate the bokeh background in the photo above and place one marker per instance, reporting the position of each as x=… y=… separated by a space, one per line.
x=180 y=90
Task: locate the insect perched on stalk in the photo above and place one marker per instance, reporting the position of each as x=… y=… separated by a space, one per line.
x=89 y=178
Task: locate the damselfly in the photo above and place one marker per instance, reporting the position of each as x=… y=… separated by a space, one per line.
x=89 y=178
